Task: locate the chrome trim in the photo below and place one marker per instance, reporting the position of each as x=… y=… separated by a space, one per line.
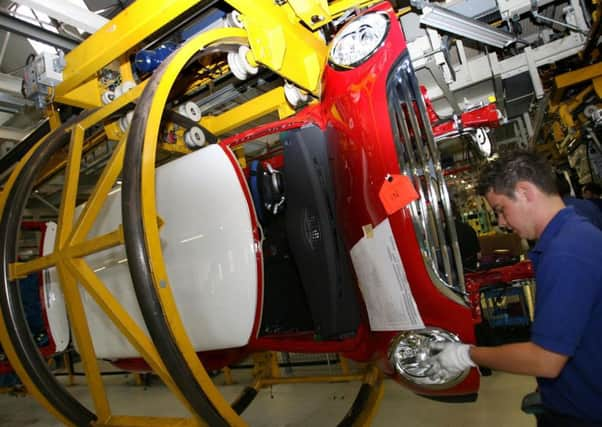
x=419 y=159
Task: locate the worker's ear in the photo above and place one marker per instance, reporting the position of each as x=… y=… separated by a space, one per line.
x=525 y=190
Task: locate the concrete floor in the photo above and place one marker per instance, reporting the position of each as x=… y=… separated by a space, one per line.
x=299 y=405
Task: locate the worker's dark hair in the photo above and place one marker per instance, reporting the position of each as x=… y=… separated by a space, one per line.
x=502 y=174
x=592 y=187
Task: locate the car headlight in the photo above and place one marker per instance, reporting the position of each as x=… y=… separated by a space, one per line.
x=358 y=40
x=410 y=354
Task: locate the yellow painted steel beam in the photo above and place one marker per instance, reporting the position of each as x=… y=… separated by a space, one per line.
x=112 y=169
x=141 y=19
x=557 y=132
x=53 y=117
x=85 y=95
x=265 y=365
x=578 y=76
x=69 y=194
x=338 y=7
x=310 y=379
x=344 y=365
x=565 y=109
x=566 y=116
x=97 y=244
x=120 y=317
x=98 y=116
x=277 y=38
x=99 y=194
x=20 y=270
x=285 y=110
x=258 y=107
x=69 y=286
x=81 y=332
x=161 y=93
x=59 y=160
x=281 y=44
x=127 y=326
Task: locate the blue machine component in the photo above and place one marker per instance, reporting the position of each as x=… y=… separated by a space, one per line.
x=30 y=296
x=254 y=183
x=146 y=61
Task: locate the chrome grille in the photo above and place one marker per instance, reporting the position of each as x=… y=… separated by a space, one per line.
x=418 y=158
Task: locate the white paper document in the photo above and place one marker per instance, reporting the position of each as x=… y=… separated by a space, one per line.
x=383 y=282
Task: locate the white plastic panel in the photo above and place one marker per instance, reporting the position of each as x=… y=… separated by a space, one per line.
x=209 y=249
x=54 y=301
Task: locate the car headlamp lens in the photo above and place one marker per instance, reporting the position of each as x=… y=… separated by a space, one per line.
x=359 y=39
x=410 y=354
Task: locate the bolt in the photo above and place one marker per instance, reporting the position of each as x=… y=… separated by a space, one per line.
x=316 y=18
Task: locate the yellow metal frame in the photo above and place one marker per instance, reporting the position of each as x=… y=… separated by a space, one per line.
x=258 y=107
x=4 y=337
x=591 y=72
x=70 y=249
x=267 y=373
x=126 y=30
x=270 y=101
x=283 y=38
x=149 y=212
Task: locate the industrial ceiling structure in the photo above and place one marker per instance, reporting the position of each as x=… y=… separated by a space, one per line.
x=459 y=70
x=208 y=153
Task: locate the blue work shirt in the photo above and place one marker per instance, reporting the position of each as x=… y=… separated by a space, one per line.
x=585 y=208
x=568 y=313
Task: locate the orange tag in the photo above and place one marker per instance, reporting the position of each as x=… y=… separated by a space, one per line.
x=396 y=192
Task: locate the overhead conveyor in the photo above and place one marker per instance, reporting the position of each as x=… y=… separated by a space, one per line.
x=295 y=53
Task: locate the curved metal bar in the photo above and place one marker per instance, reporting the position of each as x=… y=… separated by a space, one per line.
x=366 y=401
x=11 y=306
x=140 y=265
x=244 y=399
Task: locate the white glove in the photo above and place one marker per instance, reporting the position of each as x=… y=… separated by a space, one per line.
x=453 y=359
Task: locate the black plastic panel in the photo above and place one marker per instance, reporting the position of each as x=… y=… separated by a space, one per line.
x=314 y=239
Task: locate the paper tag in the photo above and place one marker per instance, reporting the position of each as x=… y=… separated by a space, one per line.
x=396 y=193
x=384 y=283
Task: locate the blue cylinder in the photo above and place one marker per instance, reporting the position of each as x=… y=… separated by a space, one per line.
x=146 y=61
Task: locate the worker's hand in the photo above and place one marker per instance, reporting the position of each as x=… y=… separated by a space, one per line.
x=452 y=360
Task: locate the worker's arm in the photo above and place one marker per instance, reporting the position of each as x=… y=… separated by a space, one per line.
x=521 y=358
